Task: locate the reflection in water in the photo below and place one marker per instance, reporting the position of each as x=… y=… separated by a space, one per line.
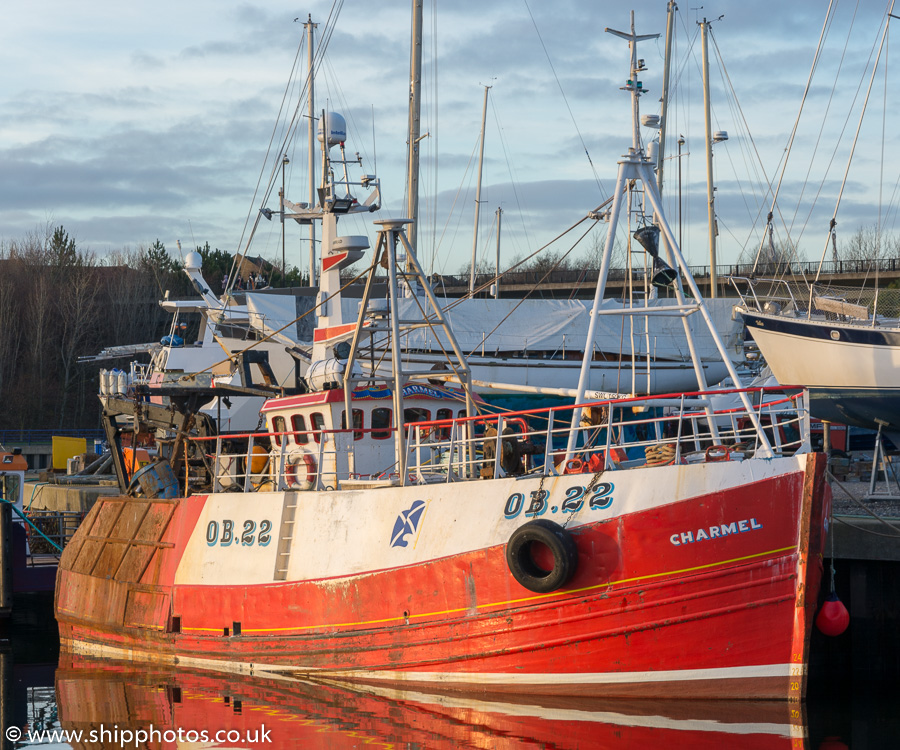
x=301 y=714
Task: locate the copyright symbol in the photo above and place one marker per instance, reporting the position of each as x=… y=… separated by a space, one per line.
x=13 y=734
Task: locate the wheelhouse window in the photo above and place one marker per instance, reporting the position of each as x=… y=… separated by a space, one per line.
x=278 y=427
x=318 y=424
x=381 y=423
x=443 y=432
x=357 y=423
x=298 y=423
x=415 y=414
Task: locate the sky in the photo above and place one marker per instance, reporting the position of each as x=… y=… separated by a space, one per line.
x=127 y=123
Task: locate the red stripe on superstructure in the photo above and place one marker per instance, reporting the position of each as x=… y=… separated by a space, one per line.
x=326 y=334
x=306 y=399
x=332 y=260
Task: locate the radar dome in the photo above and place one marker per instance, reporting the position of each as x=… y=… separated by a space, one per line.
x=193 y=260
x=335 y=126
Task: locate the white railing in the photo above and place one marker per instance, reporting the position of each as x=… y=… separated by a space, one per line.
x=612 y=435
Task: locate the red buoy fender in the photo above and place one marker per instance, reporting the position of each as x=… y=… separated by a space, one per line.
x=833 y=619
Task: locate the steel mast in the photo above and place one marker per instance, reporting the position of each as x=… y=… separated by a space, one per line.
x=415 y=89
x=478 y=194
x=311 y=135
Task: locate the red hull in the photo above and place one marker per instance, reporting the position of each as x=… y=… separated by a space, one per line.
x=643 y=616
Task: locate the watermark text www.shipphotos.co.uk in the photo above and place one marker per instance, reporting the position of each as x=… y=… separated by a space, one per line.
x=125 y=737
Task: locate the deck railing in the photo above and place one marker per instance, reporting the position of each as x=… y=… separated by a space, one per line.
x=48 y=532
x=611 y=435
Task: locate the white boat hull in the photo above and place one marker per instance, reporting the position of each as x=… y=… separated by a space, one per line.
x=851 y=370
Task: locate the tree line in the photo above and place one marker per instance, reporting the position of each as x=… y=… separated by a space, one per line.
x=59 y=302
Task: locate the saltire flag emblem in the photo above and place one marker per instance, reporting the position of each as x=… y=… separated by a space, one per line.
x=407 y=523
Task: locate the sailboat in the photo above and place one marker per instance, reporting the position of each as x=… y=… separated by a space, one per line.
x=842 y=344
x=845 y=353
x=385 y=531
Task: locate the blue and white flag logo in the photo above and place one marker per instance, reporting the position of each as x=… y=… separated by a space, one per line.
x=407 y=523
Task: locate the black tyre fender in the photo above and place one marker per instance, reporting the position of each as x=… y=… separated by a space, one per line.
x=521 y=563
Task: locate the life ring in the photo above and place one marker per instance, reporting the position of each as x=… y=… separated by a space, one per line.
x=717 y=453
x=300 y=471
x=520 y=558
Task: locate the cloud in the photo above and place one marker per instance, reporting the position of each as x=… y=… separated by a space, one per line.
x=139 y=122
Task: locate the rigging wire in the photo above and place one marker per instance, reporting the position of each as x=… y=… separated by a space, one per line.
x=815 y=63
x=565 y=99
x=287 y=131
x=231 y=274
x=858 y=129
x=834 y=152
x=455 y=199
x=752 y=167
x=512 y=179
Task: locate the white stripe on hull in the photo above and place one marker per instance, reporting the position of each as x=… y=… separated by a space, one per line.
x=478 y=680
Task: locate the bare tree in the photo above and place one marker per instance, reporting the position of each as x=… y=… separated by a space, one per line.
x=76 y=305
x=862 y=245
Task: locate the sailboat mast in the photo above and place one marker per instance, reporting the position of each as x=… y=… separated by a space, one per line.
x=664 y=108
x=478 y=194
x=497 y=279
x=415 y=89
x=710 y=189
x=311 y=135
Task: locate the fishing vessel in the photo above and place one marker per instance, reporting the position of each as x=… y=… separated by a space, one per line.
x=389 y=531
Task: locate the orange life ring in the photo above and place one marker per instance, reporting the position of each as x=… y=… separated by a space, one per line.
x=300 y=471
x=717 y=453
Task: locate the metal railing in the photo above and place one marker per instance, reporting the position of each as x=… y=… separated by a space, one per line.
x=612 y=435
x=806 y=269
x=49 y=531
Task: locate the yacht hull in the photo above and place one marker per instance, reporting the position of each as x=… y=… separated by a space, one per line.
x=850 y=370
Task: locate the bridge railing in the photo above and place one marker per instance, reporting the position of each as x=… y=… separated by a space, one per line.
x=801 y=269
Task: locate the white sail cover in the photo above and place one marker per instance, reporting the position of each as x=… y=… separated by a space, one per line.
x=510 y=325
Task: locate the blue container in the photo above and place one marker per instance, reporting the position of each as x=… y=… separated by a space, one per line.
x=157 y=480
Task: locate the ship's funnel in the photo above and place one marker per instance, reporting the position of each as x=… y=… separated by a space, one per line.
x=663 y=274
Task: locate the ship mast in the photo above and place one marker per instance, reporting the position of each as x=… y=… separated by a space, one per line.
x=415 y=90
x=710 y=188
x=311 y=141
x=634 y=167
x=478 y=194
